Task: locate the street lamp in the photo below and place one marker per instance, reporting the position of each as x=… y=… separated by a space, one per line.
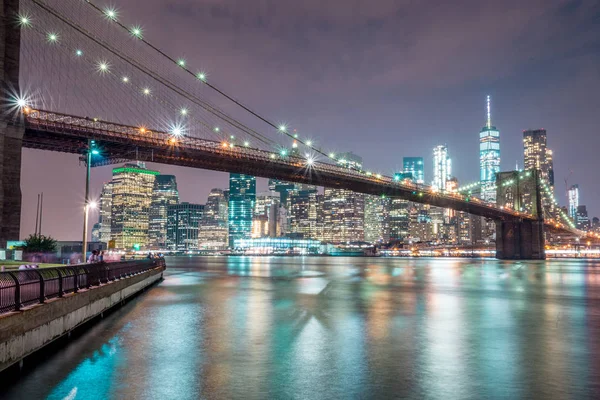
x=88 y=204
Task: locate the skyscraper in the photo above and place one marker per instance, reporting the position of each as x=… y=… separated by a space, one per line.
x=242 y=195
x=442 y=167
x=536 y=155
x=489 y=157
x=376 y=219
x=343 y=210
x=302 y=212
x=164 y=195
x=573 y=202
x=105 y=212
x=583 y=220
x=183 y=221
x=132 y=187
x=213 y=231
x=415 y=167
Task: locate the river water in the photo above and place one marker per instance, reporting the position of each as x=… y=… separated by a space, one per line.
x=340 y=328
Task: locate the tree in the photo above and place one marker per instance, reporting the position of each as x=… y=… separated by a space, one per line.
x=39 y=244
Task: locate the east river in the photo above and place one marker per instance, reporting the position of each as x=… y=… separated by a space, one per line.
x=340 y=328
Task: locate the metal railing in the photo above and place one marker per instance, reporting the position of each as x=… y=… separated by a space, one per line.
x=23 y=288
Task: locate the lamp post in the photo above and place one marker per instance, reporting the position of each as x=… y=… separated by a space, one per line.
x=91 y=150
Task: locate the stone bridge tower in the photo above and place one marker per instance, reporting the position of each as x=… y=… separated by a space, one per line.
x=518 y=238
x=11 y=127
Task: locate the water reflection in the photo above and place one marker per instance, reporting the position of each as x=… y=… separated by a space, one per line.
x=269 y=327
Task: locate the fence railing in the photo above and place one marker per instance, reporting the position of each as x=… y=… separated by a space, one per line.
x=23 y=288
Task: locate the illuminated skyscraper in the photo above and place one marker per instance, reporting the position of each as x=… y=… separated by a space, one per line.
x=343 y=210
x=573 y=202
x=302 y=212
x=183 y=221
x=164 y=195
x=105 y=212
x=376 y=219
x=242 y=195
x=536 y=155
x=132 y=187
x=415 y=167
x=213 y=231
x=489 y=157
x=442 y=167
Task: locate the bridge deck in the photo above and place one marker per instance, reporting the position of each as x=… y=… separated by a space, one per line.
x=66 y=133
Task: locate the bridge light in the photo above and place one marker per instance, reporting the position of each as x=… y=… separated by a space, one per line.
x=232 y=137
x=201 y=76
x=308 y=143
x=283 y=152
x=272 y=155
x=142 y=130
x=183 y=111
x=181 y=62
x=103 y=67
x=246 y=144
x=136 y=31
x=231 y=145
x=52 y=37
x=310 y=161
x=24 y=20
x=111 y=13
x=78 y=53
x=294 y=145
x=224 y=144
x=295 y=136
x=282 y=128
x=95 y=152
x=146 y=91
x=125 y=79
x=21 y=102
x=217 y=129
x=177 y=131
x=172 y=140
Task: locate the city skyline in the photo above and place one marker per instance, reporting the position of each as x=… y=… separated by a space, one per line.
x=397 y=101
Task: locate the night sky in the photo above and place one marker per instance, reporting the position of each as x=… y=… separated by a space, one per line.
x=384 y=79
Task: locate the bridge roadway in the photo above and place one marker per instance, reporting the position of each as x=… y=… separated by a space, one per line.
x=119 y=143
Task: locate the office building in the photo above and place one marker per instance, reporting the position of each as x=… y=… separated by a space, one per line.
x=415 y=168
x=376 y=223
x=164 y=194
x=537 y=155
x=442 y=167
x=573 y=202
x=489 y=157
x=398 y=219
x=242 y=196
x=213 y=232
x=132 y=187
x=105 y=212
x=583 y=220
x=183 y=221
x=283 y=188
x=302 y=213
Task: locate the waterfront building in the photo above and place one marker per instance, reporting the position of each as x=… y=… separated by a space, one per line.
x=105 y=213
x=183 y=221
x=343 y=210
x=414 y=166
x=419 y=227
x=280 y=245
x=573 y=202
x=242 y=196
x=398 y=219
x=489 y=157
x=302 y=212
x=376 y=223
x=164 y=194
x=213 y=231
x=442 y=167
x=132 y=187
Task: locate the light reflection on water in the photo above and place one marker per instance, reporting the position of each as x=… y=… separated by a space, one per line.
x=311 y=327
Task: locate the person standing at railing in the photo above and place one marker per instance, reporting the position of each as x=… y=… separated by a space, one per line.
x=93 y=257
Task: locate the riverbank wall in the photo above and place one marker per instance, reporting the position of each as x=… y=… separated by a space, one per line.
x=24 y=332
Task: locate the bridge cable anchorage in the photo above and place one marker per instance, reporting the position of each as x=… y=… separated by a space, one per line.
x=165 y=82
x=213 y=87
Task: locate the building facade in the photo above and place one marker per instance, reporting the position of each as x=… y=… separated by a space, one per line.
x=442 y=167
x=132 y=187
x=573 y=202
x=537 y=155
x=376 y=223
x=164 y=194
x=183 y=221
x=105 y=213
x=242 y=196
x=414 y=166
